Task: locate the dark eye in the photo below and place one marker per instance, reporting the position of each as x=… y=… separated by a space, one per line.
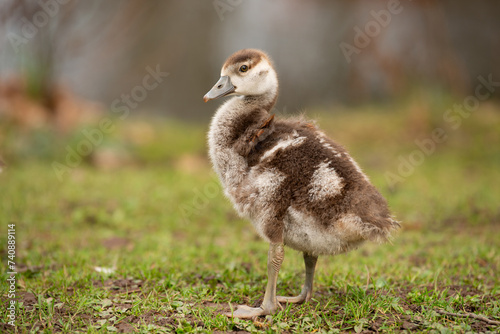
x=243 y=68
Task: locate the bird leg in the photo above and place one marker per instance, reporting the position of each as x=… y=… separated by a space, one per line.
x=270 y=303
x=306 y=293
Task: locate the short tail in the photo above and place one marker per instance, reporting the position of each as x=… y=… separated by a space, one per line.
x=384 y=232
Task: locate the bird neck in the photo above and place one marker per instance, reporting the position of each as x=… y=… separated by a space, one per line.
x=264 y=101
x=232 y=118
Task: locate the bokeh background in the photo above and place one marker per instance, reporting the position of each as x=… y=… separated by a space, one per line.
x=103 y=153
x=98 y=51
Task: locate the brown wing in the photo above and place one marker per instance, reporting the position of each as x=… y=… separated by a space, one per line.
x=254 y=134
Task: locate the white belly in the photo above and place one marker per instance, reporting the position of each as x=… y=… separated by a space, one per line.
x=304 y=234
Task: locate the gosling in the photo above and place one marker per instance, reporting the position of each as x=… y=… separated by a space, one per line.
x=297 y=186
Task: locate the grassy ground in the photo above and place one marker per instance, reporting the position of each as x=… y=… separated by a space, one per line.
x=175 y=256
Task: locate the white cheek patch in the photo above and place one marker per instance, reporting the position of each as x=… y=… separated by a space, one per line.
x=258 y=80
x=325 y=182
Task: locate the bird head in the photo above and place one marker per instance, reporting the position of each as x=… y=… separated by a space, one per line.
x=248 y=72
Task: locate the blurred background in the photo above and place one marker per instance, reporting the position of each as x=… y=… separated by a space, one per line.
x=98 y=51
x=104 y=168
x=380 y=76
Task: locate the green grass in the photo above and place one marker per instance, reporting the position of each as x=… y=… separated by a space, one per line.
x=180 y=254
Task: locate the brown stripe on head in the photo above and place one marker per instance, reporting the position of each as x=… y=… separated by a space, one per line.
x=252 y=56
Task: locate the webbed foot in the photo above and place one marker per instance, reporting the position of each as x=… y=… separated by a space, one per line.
x=247 y=312
x=304 y=296
x=269 y=304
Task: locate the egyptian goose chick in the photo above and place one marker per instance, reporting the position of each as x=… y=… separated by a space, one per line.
x=298 y=187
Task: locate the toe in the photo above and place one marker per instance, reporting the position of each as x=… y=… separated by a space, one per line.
x=246 y=312
x=292 y=300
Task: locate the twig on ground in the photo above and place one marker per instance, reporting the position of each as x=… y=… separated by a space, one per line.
x=131 y=291
x=470 y=315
